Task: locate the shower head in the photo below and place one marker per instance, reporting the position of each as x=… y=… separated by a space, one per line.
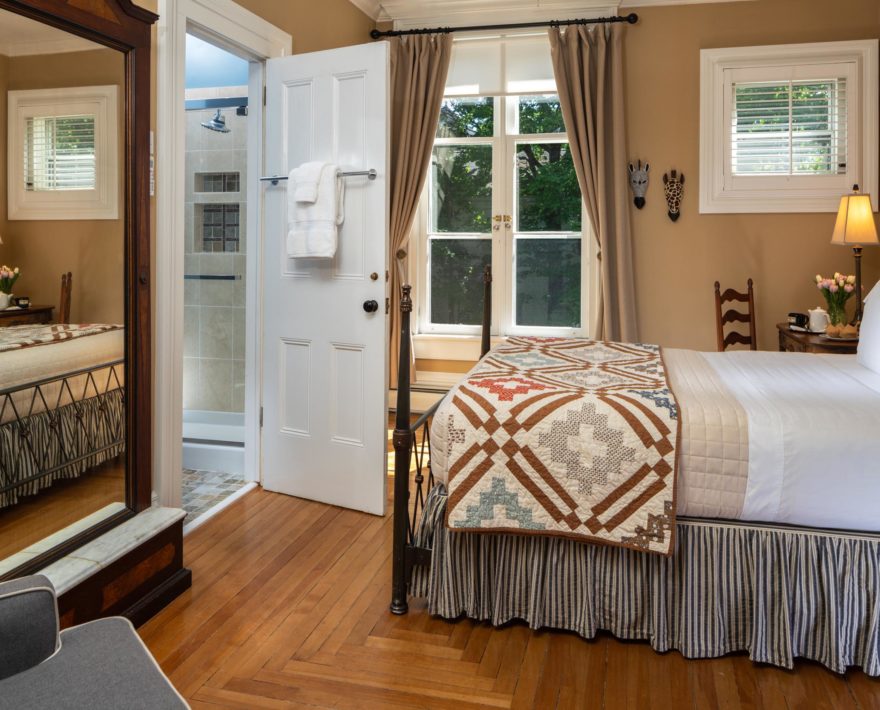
x=218 y=123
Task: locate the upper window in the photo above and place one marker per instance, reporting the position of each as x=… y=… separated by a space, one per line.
x=787 y=128
x=63 y=153
x=502 y=190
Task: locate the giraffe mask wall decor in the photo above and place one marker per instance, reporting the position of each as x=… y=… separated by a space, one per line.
x=638 y=181
x=673 y=184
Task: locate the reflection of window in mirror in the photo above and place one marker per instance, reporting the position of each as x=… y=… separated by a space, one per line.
x=64 y=148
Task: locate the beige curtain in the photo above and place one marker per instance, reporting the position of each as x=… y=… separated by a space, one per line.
x=419 y=64
x=588 y=65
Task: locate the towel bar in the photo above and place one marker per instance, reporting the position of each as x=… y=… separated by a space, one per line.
x=371 y=175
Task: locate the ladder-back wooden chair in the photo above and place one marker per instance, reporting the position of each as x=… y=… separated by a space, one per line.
x=64 y=301
x=734 y=316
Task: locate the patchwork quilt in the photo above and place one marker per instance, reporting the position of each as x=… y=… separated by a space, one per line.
x=567 y=437
x=17 y=337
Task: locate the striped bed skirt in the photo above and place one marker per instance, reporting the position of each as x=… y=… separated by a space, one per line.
x=778 y=593
x=38 y=450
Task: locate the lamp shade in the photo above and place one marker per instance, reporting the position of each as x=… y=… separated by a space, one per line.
x=855 y=221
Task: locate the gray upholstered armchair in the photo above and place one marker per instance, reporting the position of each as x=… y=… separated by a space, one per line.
x=101 y=664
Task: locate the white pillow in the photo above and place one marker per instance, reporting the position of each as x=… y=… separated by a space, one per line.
x=869 y=335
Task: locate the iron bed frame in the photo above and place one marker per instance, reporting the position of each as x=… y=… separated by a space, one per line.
x=408 y=449
x=42 y=400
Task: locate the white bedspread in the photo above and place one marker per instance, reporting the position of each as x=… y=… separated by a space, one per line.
x=814 y=437
x=770 y=437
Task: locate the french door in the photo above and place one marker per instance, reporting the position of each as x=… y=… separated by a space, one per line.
x=503 y=191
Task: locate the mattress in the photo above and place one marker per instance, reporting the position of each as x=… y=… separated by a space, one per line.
x=771 y=437
x=19 y=368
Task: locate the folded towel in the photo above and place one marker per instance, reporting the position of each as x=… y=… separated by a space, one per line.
x=313 y=227
x=305 y=179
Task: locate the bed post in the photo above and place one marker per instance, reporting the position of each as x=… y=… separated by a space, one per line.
x=485 y=343
x=402 y=452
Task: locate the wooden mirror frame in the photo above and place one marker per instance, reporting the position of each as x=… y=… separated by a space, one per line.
x=123 y=26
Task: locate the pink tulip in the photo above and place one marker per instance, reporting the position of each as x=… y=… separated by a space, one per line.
x=849 y=288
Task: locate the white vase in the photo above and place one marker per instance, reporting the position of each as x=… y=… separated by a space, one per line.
x=5 y=300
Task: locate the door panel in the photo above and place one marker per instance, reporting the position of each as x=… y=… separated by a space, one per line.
x=325 y=382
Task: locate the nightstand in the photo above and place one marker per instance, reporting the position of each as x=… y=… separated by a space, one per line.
x=795 y=342
x=34 y=315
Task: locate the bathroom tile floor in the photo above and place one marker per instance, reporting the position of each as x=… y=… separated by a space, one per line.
x=202 y=490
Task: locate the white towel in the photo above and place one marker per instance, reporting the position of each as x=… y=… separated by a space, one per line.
x=305 y=179
x=313 y=227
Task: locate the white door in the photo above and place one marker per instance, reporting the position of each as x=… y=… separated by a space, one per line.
x=324 y=356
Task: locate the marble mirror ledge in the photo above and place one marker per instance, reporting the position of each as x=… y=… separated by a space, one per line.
x=69 y=571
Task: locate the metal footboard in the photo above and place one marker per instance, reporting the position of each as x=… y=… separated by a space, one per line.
x=52 y=426
x=409 y=449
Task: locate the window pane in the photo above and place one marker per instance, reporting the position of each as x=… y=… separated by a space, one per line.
x=548 y=196
x=787 y=128
x=540 y=114
x=461 y=199
x=461 y=118
x=59 y=153
x=457 y=280
x=548 y=282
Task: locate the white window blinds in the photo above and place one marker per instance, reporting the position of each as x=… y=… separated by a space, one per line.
x=59 y=153
x=789 y=127
x=501 y=65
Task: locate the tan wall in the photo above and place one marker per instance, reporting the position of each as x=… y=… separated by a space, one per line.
x=91 y=249
x=315 y=25
x=677 y=263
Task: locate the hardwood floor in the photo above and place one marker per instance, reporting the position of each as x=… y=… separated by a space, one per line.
x=289 y=609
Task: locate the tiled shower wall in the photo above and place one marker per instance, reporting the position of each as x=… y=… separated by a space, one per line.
x=214 y=318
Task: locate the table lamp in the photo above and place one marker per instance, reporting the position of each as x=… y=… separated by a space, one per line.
x=855 y=227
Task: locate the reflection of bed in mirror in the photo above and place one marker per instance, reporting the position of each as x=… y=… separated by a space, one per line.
x=61 y=404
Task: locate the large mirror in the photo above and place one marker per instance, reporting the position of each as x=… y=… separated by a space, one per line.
x=69 y=279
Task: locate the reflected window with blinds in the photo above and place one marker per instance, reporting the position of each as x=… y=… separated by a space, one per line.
x=789 y=128
x=64 y=153
x=60 y=153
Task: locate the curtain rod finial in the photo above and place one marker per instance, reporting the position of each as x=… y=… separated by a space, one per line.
x=632 y=18
x=375 y=34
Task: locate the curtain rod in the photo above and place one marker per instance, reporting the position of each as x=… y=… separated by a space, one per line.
x=632 y=18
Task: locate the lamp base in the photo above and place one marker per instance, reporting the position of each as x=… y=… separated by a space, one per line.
x=857 y=255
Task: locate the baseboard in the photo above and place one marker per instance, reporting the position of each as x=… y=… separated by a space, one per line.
x=159 y=597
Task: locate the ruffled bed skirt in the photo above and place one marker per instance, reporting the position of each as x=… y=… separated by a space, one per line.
x=776 y=592
x=67 y=441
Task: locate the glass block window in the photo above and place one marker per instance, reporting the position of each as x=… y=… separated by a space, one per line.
x=220 y=227
x=218 y=182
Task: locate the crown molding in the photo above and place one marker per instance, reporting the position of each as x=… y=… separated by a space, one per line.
x=371 y=8
x=661 y=3
x=409 y=14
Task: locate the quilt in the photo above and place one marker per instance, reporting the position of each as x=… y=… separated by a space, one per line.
x=567 y=437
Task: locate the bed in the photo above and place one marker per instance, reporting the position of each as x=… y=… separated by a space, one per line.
x=61 y=404
x=773 y=548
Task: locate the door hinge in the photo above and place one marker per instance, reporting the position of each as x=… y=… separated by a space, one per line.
x=387 y=305
x=264 y=96
x=261 y=417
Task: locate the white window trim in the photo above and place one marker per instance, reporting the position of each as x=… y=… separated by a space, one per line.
x=100 y=203
x=715 y=198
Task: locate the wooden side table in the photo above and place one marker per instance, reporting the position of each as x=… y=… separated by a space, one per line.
x=26 y=316
x=796 y=342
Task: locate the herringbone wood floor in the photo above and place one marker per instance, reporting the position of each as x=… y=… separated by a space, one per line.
x=289 y=609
